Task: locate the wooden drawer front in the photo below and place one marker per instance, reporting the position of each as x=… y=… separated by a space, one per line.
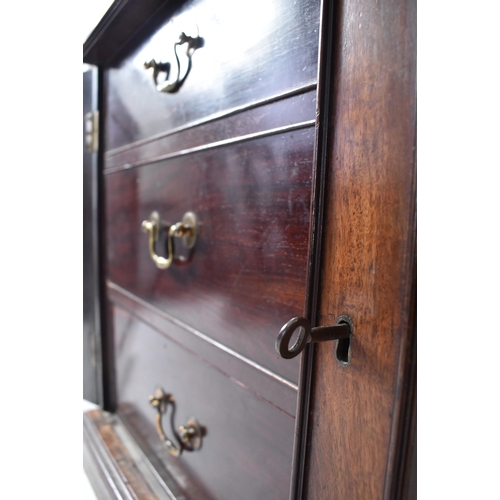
x=253 y=51
x=247 y=274
x=247 y=452
x=284 y=113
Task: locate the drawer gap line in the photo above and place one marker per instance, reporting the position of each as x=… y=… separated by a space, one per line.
x=217 y=116
x=202 y=336
x=212 y=145
x=212 y=366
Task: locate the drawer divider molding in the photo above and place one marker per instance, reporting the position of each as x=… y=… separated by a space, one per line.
x=202 y=336
x=263 y=383
x=217 y=116
x=217 y=144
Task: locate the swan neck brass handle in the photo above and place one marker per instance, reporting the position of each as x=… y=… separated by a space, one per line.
x=172 y=86
x=189 y=436
x=341 y=330
x=187 y=230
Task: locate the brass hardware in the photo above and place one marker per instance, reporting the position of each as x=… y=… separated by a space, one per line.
x=189 y=436
x=159 y=67
x=187 y=230
x=92 y=131
x=341 y=330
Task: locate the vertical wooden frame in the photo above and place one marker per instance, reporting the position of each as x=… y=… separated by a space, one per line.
x=358 y=419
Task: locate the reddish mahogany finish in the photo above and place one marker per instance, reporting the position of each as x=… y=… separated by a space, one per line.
x=235 y=146
x=121 y=28
x=358 y=411
x=241 y=122
x=263 y=384
x=102 y=439
x=247 y=451
x=195 y=329
x=247 y=274
x=253 y=50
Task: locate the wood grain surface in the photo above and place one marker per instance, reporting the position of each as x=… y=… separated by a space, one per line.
x=255 y=118
x=132 y=481
x=252 y=51
x=247 y=451
x=263 y=384
x=247 y=273
x=369 y=251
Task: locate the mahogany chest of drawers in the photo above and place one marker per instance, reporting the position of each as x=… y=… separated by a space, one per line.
x=245 y=179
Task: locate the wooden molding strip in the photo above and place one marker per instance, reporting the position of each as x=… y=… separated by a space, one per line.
x=217 y=144
x=246 y=373
x=314 y=271
x=216 y=116
x=116 y=466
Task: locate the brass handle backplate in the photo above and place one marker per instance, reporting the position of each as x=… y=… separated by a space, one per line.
x=187 y=230
x=172 y=86
x=189 y=436
x=341 y=330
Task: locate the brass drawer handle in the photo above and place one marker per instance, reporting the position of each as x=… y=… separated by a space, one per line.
x=189 y=436
x=187 y=230
x=172 y=86
x=341 y=330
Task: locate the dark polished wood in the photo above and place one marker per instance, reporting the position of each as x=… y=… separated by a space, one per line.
x=404 y=474
x=250 y=53
x=258 y=119
x=252 y=377
x=306 y=207
x=246 y=453
x=316 y=230
x=247 y=274
x=249 y=183
x=122 y=26
x=357 y=411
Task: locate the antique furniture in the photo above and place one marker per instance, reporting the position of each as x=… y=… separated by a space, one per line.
x=256 y=215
